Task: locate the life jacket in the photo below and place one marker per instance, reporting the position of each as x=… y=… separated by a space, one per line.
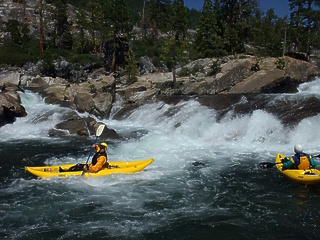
x=301 y=161
x=96 y=156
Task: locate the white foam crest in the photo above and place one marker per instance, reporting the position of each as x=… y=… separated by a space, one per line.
x=40 y=119
x=306 y=133
x=310 y=88
x=194 y=134
x=243 y=133
x=173 y=133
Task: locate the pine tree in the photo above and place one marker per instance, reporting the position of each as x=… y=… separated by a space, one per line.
x=13 y=27
x=208 y=42
x=95 y=20
x=156 y=15
x=176 y=44
x=117 y=16
x=131 y=68
x=272 y=34
x=304 y=19
x=62 y=37
x=237 y=17
x=81 y=24
x=41 y=32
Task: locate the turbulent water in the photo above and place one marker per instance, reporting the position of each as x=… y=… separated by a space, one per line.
x=205 y=182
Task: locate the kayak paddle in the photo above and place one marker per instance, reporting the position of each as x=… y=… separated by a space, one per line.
x=98 y=134
x=265 y=165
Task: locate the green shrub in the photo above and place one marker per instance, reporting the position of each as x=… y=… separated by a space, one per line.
x=195 y=69
x=93 y=88
x=48 y=56
x=184 y=72
x=85 y=58
x=215 y=68
x=17 y=55
x=280 y=63
x=149 y=47
x=255 y=67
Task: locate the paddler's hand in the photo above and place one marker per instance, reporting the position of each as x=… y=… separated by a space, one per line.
x=85 y=167
x=283 y=160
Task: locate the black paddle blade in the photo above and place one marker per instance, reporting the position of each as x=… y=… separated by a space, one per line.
x=265 y=165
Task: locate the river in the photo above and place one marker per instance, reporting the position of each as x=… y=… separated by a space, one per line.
x=205 y=182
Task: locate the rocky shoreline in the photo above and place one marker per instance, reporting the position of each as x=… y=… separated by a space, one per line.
x=238 y=75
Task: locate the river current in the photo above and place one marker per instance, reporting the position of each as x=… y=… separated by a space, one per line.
x=205 y=182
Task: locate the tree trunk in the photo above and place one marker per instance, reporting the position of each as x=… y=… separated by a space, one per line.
x=114 y=54
x=309 y=32
x=174 y=79
x=41 y=25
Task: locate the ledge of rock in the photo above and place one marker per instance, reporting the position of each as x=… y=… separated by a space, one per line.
x=10 y=104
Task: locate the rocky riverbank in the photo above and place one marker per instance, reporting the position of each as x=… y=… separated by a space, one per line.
x=240 y=74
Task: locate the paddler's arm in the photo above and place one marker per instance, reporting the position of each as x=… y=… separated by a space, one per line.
x=287 y=164
x=312 y=162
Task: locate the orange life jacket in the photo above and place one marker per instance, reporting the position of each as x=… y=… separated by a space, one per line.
x=304 y=163
x=301 y=161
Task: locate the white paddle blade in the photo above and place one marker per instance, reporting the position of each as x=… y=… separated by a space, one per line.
x=100 y=130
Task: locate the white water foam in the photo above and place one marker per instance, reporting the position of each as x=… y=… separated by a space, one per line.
x=176 y=134
x=40 y=119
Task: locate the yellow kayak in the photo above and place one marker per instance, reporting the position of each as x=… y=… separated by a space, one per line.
x=309 y=176
x=116 y=168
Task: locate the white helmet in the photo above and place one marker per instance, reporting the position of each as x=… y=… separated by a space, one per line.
x=298 y=148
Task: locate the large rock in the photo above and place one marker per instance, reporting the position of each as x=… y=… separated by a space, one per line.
x=12 y=77
x=102 y=104
x=299 y=70
x=247 y=74
x=95 y=96
x=84 y=102
x=258 y=81
x=10 y=104
x=76 y=126
x=146 y=66
x=139 y=92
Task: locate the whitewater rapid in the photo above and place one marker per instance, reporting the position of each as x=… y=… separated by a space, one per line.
x=205 y=182
x=187 y=130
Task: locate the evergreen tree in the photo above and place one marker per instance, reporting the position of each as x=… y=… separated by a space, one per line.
x=304 y=18
x=117 y=15
x=1 y=24
x=13 y=27
x=41 y=27
x=208 y=42
x=131 y=68
x=176 y=44
x=61 y=35
x=237 y=17
x=95 y=21
x=157 y=12
x=81 y=22
x=193 y=16
x=272 y=34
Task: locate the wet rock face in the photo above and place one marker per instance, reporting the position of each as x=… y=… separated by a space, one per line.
x=10 y=104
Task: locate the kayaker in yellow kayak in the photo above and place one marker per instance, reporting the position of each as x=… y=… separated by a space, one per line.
x=300 y=160
x=99 y=160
